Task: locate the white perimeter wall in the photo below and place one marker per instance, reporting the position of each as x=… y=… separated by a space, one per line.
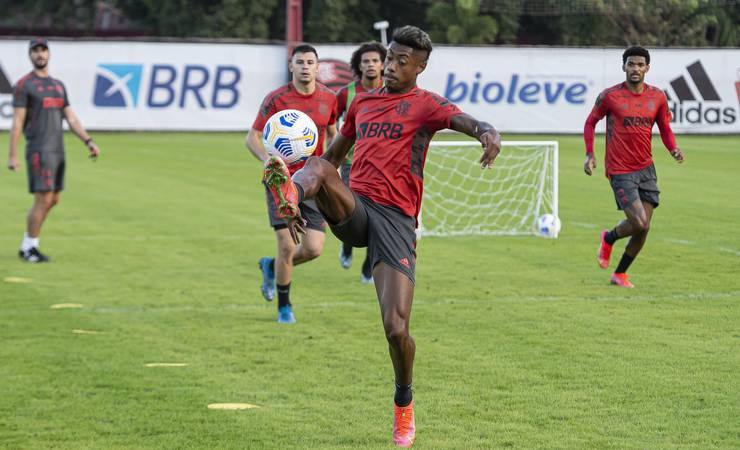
x=186 y=86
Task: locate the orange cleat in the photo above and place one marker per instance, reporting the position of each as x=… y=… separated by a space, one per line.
x=605 y=251
x=404 y=430
x=284 y=193
x=621 y=279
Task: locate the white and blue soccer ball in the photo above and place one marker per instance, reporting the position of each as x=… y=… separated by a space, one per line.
x=548 y=225
x=291 y=135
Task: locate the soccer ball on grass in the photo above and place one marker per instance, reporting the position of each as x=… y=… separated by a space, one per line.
x=291 y=135
x=548 y=225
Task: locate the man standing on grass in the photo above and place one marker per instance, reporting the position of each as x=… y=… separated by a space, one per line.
x=367 y=65
x=40 y=103
x=391 y=129
x=631 y=108
x=305 y=94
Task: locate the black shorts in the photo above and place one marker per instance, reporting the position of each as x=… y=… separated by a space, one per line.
x=388 y=234
x=310 y=212
x=629 y=187
x=45 y=171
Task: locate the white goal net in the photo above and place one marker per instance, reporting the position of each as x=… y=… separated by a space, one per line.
x=462 y=199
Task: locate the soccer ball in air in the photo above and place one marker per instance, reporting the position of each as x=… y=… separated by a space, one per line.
x=291 y=135
x=548 y=225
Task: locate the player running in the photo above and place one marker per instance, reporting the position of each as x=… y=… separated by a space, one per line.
x=631 y=108
x=391 y=129
x=40 y=102
x=303 y=93
x=367 y=64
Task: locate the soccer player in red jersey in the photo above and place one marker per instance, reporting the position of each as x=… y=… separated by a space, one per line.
x=367 y=64
x=391 y=129
x=631 y=108
x=319 y=102
x=40 y=103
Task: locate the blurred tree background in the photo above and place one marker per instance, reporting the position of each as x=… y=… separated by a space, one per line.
x=524 y=22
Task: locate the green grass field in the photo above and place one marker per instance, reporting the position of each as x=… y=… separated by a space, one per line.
x=521 y=342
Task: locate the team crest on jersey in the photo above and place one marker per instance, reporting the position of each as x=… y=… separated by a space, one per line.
x=403 y=107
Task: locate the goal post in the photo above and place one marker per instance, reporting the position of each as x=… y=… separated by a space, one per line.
x=462 y=199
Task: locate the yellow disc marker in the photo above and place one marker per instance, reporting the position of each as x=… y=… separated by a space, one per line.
x=66 y=305
x=86 y=332
x=165 y=365
x=17 y=280
x=231 y=406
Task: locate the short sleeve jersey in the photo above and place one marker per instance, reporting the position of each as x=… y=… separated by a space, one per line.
x=629 y=123
x=392 y=134
x=44 y=99
x=320 y=106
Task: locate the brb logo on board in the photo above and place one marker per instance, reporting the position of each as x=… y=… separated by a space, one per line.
x=117 y=85
x=166 y=86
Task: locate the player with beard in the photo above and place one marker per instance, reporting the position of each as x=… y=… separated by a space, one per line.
x=391 y=129
x=367 y=65
x=631 y=108
x=40 y=103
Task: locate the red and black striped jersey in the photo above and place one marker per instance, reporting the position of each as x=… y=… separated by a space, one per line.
x=629 y=124
x=392 y=134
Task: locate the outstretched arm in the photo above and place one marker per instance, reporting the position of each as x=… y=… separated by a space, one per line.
x=489 y=138
x=76 y=126
x=338 y=149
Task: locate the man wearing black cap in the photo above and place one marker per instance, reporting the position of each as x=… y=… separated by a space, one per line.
x=39 y=104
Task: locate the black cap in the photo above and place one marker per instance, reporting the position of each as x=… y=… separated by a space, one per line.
x=38 y=41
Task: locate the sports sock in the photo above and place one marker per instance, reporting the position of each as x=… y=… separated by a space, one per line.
x=28 y=242
x=272 y=265
x=611 y=237
x=403 y=395
x=346 y=250
x=283 y=295
x=367 y=270
x=624 y=263
x=300 y=192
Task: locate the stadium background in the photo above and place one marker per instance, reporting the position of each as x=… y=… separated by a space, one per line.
x=522 y=344
x=216 y=86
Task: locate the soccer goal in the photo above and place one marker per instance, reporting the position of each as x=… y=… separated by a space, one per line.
x=461 y=199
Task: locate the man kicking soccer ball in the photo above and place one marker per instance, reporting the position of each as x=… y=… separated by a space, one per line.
x=367 y=65
x=631 y=109
x=391 y=129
